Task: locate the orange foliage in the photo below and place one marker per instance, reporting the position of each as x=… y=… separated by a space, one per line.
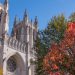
x=71 y=26
x=60 y=54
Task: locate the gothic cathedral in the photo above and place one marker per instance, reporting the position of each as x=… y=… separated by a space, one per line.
x=17 y=50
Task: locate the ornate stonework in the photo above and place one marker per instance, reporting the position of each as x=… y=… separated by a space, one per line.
x=17 y=50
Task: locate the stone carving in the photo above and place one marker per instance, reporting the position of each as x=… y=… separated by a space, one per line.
x=17 y=45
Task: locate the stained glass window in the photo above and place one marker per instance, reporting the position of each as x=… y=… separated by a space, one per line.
x=11 y=65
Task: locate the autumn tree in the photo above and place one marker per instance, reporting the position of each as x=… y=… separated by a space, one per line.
x=61 y=58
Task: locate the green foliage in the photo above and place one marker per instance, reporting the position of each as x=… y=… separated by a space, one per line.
x=53 y=33
x=40 y=53
x=72 y=17
x=56 y=28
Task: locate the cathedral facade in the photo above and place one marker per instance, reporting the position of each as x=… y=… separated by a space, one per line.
x=17 y=52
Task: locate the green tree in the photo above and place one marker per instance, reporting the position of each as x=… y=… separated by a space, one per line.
x=53 y=33
x=40 y=53
x=55 y=30
x=72 y=17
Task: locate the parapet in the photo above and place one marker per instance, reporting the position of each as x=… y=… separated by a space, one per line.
x=16 y=45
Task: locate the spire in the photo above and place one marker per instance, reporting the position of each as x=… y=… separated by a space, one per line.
x=25 y=13
x=15 y=21
x=6 y=2
x=36 y=20
x=6 y=5
x=25 y=18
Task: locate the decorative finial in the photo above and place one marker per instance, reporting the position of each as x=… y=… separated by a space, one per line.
x=6 y=2
x=36 y=23
x=36 y=20
x=6 y=5
x=25 y=16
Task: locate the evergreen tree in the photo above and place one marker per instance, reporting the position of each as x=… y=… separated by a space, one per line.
x=55 y=30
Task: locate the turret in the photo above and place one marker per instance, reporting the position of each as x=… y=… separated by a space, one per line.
x=25 y=18
x=6 y=5
x=13 y=33
x=4 y=19
x=6 y=2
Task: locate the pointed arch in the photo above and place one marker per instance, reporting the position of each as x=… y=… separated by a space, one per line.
x=19 y=60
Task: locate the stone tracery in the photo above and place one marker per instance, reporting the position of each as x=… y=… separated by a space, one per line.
x=11 y=64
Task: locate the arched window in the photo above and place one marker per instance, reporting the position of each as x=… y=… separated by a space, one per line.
x=11 y=64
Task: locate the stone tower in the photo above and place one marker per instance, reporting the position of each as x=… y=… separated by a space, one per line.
x=4 y=18
x=26 y=32
x=3 y=27
x=17 y=51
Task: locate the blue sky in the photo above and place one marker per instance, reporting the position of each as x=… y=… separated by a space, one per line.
x=43 y=9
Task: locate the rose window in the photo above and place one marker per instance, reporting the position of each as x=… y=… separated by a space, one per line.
x=11 y=65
